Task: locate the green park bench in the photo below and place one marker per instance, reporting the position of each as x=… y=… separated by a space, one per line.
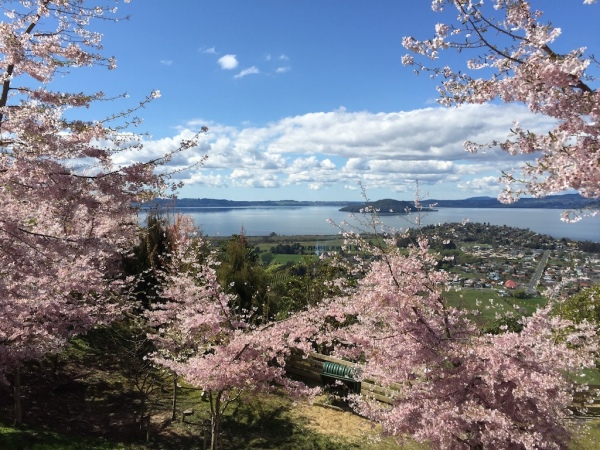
x=336 y=376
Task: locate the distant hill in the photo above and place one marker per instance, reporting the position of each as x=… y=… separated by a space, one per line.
x=565 y=201
x=222 y=203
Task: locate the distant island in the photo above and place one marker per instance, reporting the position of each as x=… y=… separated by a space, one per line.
x=564 y=201
x=385 y=206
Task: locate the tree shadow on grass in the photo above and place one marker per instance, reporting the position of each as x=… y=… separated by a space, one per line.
x=29 y=438
x=83 y=400
x=264 y=424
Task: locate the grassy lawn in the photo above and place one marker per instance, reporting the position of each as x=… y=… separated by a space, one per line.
x=273 y=423
x=587 y=435
x=488 y=303
x=283 y=259
x=266 y=422
x=590 y=377
x=102 y=413
x=324 y=242
x=39 y=439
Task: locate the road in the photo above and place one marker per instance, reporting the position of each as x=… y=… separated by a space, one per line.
x=537 y=275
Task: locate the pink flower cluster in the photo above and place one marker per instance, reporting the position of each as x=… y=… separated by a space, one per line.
x=514 y=48
x=67 y=214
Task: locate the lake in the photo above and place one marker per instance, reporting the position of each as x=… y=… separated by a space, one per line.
x=312 y=220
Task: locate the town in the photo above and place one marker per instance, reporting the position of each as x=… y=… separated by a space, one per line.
x=512 y=261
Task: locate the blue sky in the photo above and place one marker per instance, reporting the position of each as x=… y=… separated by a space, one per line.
x=304 y=99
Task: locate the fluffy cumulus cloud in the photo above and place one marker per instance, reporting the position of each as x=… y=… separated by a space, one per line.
x=248 y=179
x=388 y=151
x=228 y=62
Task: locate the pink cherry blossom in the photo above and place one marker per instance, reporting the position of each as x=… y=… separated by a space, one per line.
x=202 y=338
x=67 y=214
x=513 y=47
x=456 y=386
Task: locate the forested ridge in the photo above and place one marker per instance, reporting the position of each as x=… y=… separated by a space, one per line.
x=562 y=201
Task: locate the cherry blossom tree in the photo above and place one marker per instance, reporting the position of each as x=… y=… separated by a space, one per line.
x=455 y=385
x=66 y=215
x=513 y=49
x=202 y=337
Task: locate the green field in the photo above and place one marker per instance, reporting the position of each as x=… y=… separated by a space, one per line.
x=285 y=259
x=489 y=302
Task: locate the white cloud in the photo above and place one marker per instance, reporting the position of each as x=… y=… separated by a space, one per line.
x=247 y=178
x=166 y=62
x=430 y=133
x=408 y=167
x=328 y=165
x=479 y=186
x=357 y=164
x=228 y=62
x=388 y=151
x=309 y=163
x=210 y=51
x=249 y=71
x=283 y=69
x=200 y=178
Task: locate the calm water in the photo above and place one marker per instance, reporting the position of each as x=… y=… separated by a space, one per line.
x=312 y=220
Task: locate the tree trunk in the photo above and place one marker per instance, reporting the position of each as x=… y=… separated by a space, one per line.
x=215 y=422
x=17 y=397
x=142 y=411
x=54 y=360
x=147 y=421
x=174 y=402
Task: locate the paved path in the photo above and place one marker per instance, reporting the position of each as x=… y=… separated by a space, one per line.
x=537 y=275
